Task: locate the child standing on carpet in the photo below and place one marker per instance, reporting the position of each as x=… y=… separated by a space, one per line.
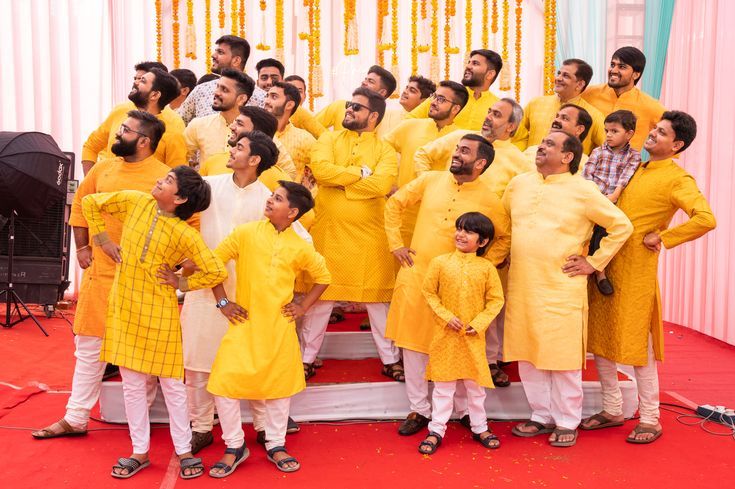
x=610 y=167
x=142 y=331
x=464 y=291
x=259 y=358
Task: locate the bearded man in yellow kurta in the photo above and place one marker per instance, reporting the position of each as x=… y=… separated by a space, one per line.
x=627 y=327
x=354 y=170
x=134 y=169
x=442 y=197
x=552 y=212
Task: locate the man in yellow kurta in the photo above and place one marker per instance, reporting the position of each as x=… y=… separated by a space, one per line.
x=480 y=73
x=151 y=92
x=627 y=327
x=142 y=331
x=302 y=117
x=571 y=119
x=620 y=92
x=411 y=134
x=442 y=197
x=135 y=169
x=569 y=85
x=552 y=213
x=260 y=359
x=355 y=171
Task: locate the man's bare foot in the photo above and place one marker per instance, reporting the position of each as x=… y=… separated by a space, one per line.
x=532 y=428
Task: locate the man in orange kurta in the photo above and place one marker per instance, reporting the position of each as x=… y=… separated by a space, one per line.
x=626 y=327
x=135 y=168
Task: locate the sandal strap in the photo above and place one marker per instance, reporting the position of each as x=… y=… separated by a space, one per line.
x=640 y=430
x=275 y=450
x=286 y=460
x=191 y=463
x=563 y=431
x=128 y=463
x=222 y=465
x=536 y=424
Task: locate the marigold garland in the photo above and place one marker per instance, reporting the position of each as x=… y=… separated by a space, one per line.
x=414 y=37
x=263 y=44
x=350 y=34
x=519 y=19
x=468 y=27
x=382 y=32
x=309 y=4
x=450 y=11
x=504 y=72
x=494 y=25
x=318 y=86
x=241 y=18
x=549 y=45
x=434 y=67
x=394 y=68
x=233 y=17
x=279 y=30
x=159 y=35
x=175 y=30
x=191 y=37
x=485 y=30
x=221 y=14
x=425 y=40
x=208 y=34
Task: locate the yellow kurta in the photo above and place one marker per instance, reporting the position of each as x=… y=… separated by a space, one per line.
x=303 y=119
x=541 y=112
x=509 y=160
x=260 y=358
x=348 y=229
x=620 y=324
x=142 y=330
x=333 y=114
x=465 y=286
x=206 y=136
x=546 y=310
x=530 y=155
x=441 y=201
x=109 y=175
x=470 y=117
x=298 y=143
x=647 y=109
x=171 y=148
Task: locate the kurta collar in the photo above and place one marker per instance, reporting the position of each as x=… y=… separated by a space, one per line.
x=362 y=136
x=501 y=143
x=285 y=129
x=633 y=92
x=474 y=183
x=464 y=256
x=559 y=177
x=472 y=92
x=247 y=188
x=163 y=213
x=650 y=165
x=272 y=229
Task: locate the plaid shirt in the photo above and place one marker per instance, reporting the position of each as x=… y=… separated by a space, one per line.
x=199 y=101
x=609 y=169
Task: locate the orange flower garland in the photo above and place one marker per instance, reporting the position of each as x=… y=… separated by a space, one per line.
x=414 y=38
x=318 y=87
x=450 y=11
x=434 y=63
x=310 y=37
x=383 y=42
x=504 y=73
x=519 y=19
x=191 y=37
x=241 y=18
x=221 y=14
x=485 y=33
x=468 y=27
x=549 y=45
x=262 y=45
x=233 y=18
x=494 y=25
x=208 y=34
x=175 y=29
x=423 y=45
x=159 y=36
x=279 y=30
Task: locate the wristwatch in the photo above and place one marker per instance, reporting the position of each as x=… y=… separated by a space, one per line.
x=222 y=303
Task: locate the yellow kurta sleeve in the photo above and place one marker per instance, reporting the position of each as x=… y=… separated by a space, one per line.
x=493 y=302
x=175 y=150
x=314 y=264
x=211 y=271
x=116 y=204
x=229 y=248
x=407 y=196
x=100 y=137
x=380 y=182
x=602 y=212
x=422 y=111
x=686 y=196
x=303 y=119
x=430 y=289
x=326 y=172
x=500 y=247
x=285 y=162
x=328 y=116
x=436 y=155
x=520 y=138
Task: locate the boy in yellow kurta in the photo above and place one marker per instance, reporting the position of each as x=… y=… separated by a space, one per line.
x=259 y=357
x=143 y=333
x=465 y=294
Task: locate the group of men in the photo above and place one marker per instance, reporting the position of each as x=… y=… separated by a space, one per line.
x=389 y=184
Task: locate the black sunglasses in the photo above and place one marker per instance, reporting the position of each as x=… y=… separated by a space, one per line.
x=355 y=106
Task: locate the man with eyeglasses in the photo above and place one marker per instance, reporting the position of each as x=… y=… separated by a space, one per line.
x=151 y=93
x=134 y=168
x=354 y=170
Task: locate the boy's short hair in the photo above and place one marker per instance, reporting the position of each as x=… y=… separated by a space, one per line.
x=207 y=77
x=625 y=118
x=475 y=222
x=262 y=120
x=298 y=197
x=296 y=78
x=459 y=91
x=194 y=189
x=187 y=78
x=263 y=146
x=243 y=83
x=426 y=86
x=149 y=65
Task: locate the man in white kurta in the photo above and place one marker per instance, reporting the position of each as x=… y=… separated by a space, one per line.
x=552 y=212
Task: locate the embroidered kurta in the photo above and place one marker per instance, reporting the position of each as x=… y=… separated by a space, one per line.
x=465 y=286
x=471 y=116
x=647 y=109
x=217 y=163
x=142 y=331
x=109 y=175
x=620 y=324
x=199 y=101
x=304 y=119
x=546 y=310
x=206 y=136
x=348 y=230
x=441 y=201
x=541 y=112
x=202 y=324
x=260 y=358
x=171 y=148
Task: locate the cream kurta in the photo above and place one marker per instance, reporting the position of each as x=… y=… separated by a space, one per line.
x=202 y=324
x=298 y=143
x=620 y=324
x=546 y=310
x=206 y=136
x=465 y=286
x=471 y=116
x=260 y=358
x=442 y=200
x=348 y=229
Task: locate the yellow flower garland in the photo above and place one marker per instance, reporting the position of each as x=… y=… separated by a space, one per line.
x=263 y=44
x=383 y=43
x=494 y=25
x=318 y=88
x=279 y=30
x=191 y=38
x=175 y=30
x=221 y=14
x=350 y=33
x=241 y=18
x=159 y=36
x=450 y=11
x=519 y=19
x=309 y=4
x=468 y=27
x=414 y=38
x=233 y=17
x=485 y=30
x=434 y=67
x=208 y=34
x=394 y=68
x=424 y=46
x=549 y=45
x=504 y=72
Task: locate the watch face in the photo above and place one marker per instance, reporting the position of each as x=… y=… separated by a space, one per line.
x=223 y=303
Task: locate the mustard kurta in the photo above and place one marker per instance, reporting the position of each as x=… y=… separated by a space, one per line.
x=260 y=358
x=541 y=112
x=109 y=175
x=465 y=286
x=303 y=119
x=546 y=310
x=348 y=229
x=142 y=332
x=171 y=148
x=470 y=117
x=620 y=324
x=442 y=200
x=647 y=109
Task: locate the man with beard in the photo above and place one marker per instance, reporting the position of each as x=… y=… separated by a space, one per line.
x=552 y=213
x=134 y=168
x=151 y=93
x=354 y=169
x=441 y=197
x=447 y=101
x=569 y=84
x=229 y=52
x=620 y=93
x=208 y=134
x=283 y=100
x=571 y=119
x=481 y=71
x=302 y=117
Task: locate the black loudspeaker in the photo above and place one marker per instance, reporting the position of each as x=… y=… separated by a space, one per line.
x=42 y=247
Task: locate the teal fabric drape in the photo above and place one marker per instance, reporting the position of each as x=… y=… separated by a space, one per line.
x=658 y=16
x=581 y=32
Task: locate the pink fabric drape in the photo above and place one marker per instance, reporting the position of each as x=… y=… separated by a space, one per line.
x=698 y=289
